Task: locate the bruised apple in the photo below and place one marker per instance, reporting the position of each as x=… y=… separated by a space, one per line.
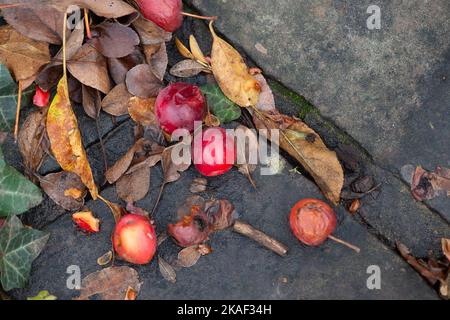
x=191 y=230
x=134 y=239
x=312 y=221
x=86 y=221
x=165 y=13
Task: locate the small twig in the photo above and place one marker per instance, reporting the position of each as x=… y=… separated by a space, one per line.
x=212 y=18
x=87 y=23
x=19 y=102
x=348 y=245
x=161 y=191
x=247 y=230
x=102 y=145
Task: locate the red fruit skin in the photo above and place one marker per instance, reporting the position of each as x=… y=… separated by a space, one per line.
x=193 y=229
x=41 y=98
x=208 y=161
x=165 y=13
x=312 y=221
x=134 y=239
x=178 y=106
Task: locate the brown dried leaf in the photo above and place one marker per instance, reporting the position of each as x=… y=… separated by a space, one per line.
x=110 y=283
x=167 y=271
x=134 y=186
x=56 y=185
x=232 y=73
x=429 y=185
x=90 y=68
x=141 y=110
x=150 y=33
x=221 y=214
x=198 y=185
x=105 y=259
x=40 y=23
x=305 y=145
x=120 y=167
x=157 y=58
x=266 y=100
x=187 y=69
x=446 y=248
x=65 y=138
x=188 y=257
x=91 y=101
x=119 y=68
x=31 y=141
x=142 y=82
x=116 y=102
x=114 y=40
x=23 y=56
x=171 y=170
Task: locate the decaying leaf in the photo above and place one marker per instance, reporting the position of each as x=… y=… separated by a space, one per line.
x=65 y=138
x=142 y=110
x=170 y=169
x=187 y=69
x=305 y=145
x=57 y=185
x=156 y=56
x=120 y=167
x=189 y=256
x=23 y=56
x=142 y=82
x=91 y=101
x=232 y=73
x=116 y=102
x=429 y=185
x=167 y=271
x=110 y=283
x=245 y=165
x=150 y=33
x=266 y=101
x=114 y=40
x=40 y=23
x=198 y=185
x=446 y=248
x=119 y=67
x=31 y=141
x=90 y=68
x=105 y=259
x=134 y=186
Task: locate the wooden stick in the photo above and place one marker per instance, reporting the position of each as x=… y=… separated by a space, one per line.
x=348 y=245
x=247 y=230
x=199 y=17
x=19 y=102
x=86 y=21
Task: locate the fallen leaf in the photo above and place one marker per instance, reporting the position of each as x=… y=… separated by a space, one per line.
x=245 y=164
x=156 y=56
x=31 y=141
x=43 y=295
x=90 y=68
x=167 y=271
x=91 y=101
x=221 y=214
x=232 y=73
x=185 y=52
x=131 y=294
x=446 y=248
x=17 y=194
x=196 y=51
x=355 y=206
x=222 y=107
x=19 y=247
x=150 y=33
x=123 y=164
x=65 y=138
x=187 y=69
x=23 y=56
x=110 y=284
x=266 y=101
x=116 y=102
x=119 y=67
x=198 y=185
x=105 y=259
x=142 y=110
x=429 y=185
x=305 y=145
x=134 y=186
x=55 y=186
x=142 y=82
x=40 y=23
x=114 y=40
x=188 y=257
x=172 y=170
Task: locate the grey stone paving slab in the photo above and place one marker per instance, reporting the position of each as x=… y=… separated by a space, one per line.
x=387 y=88
x=238 y=268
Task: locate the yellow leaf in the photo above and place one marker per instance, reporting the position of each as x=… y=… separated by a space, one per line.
x=65 y=138
x=196 y=51
x=232 y=73
x=183 y=50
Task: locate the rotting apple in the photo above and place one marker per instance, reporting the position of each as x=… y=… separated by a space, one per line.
x=165 y=13
x=191 y=230
x=134 y=239
x=216 y=154
x=86 y=221
x=41 y=98
x=312 y=221
x=178 y=106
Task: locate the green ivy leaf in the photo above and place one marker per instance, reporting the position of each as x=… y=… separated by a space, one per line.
x=19 y=246
x=17 y=193
x=222 y=107
x=8 y=99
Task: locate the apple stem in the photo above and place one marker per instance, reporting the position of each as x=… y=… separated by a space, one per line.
x=348 y=245
x=19 y=102
x=213 y=18
x=247 y=230
x=86 y=21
